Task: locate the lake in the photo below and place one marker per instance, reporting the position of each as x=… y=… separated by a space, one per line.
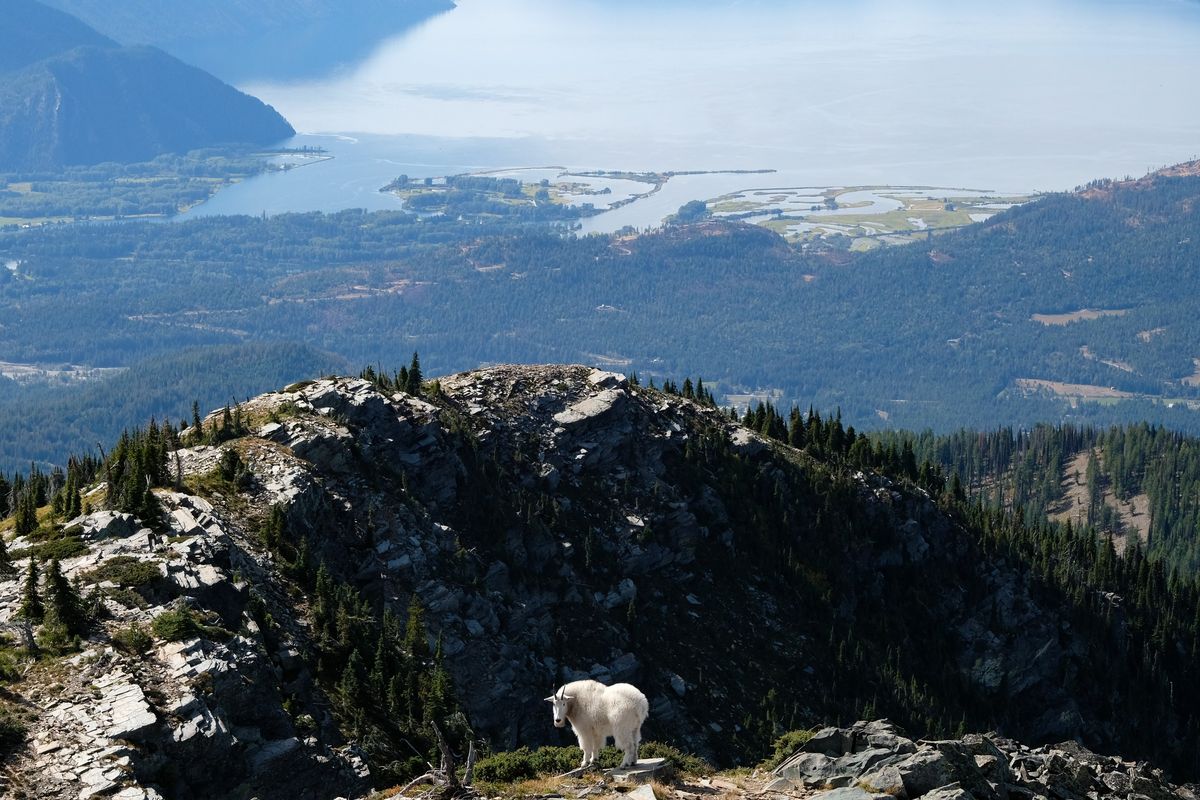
x=1028 y=95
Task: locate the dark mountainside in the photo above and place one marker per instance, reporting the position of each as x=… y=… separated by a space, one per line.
x=372 y=560
x=85 y=100
x=249 y=39
x=33 y=32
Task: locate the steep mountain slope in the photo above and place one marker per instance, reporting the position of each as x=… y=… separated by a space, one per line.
x=240 y=39
x=98 y=102
x=1137 y=484
x=550 y=523
x=33 y=31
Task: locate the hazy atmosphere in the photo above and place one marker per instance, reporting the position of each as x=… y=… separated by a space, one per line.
x=599 y=400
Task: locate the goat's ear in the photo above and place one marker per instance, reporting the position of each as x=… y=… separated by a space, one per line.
x=568 y=697
x=550 y=699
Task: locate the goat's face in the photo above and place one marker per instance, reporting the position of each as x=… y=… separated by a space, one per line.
x=561 y=703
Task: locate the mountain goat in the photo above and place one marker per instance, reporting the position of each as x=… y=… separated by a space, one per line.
x=597 y=712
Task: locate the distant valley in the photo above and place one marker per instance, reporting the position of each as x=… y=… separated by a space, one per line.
x=1001 y=322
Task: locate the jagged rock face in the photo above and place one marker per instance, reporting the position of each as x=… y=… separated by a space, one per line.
x=561 y=523
x=189 y=719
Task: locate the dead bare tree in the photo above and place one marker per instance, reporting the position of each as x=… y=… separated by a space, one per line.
x=444 y=778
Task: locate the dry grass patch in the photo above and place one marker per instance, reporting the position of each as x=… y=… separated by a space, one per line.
x=1081 y=315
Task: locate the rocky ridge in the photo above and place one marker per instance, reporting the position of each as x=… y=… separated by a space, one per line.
x=555 y=523
x=189 y=718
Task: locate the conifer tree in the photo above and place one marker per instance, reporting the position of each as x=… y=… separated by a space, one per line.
x=64 y=618
x=413 y=384
x=26 y=521
x=350 y=686
x=438 y=697
x=417 y=647
x=31 y=607
x=6 y=565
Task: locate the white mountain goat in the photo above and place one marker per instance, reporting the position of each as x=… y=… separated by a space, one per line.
x=597 y=712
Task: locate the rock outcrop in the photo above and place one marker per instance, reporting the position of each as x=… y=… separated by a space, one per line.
x=875 y=760
x=559 y=523
x=180 y=719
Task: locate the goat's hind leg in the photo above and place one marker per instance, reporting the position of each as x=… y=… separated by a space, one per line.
x=627 y=743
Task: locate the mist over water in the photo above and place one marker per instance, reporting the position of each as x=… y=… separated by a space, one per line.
x=1021 y=96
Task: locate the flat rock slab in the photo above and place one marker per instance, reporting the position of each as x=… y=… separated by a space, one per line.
x=643 y=792
x=849 y=793
x=644 y=771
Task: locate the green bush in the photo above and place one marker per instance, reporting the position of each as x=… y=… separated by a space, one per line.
x=555 y=760
x=786 y=746
x=10 y=668
x=515 y=765
x=183 y=623
x=133 y=639
x=126 y=571
x=12 y=732
x=126 y=597
x=62 y=548
x=524 y=764
x=176 y=625
x=679 y=760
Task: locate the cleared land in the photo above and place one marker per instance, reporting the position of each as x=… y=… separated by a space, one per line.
x=1194 y=378
x=1081 y=315
x=1075 y=504
x=1079 y=391
x=861 y=217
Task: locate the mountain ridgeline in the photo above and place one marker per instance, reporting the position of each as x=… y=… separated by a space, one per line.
x=69 y=95
x=401 y=552
x=253 y=39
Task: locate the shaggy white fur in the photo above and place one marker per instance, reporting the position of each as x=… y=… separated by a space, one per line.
x=597 y=712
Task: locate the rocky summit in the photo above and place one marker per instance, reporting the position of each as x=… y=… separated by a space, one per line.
x=333 y=575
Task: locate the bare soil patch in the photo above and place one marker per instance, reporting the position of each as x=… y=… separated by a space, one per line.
x=1078 y=316
x=1194 y=378
x=1146 y=336
x=1081 y=391
x=1133 y=513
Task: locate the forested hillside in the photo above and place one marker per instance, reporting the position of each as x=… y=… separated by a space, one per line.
x=45 y=421
x=977 y=328
x=1138 y=484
